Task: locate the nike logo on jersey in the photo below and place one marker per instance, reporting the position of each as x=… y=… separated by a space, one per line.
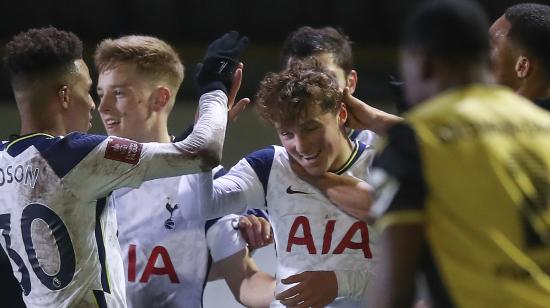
x=290 y=191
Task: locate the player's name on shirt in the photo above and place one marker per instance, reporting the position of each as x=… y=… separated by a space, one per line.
x=19 y=174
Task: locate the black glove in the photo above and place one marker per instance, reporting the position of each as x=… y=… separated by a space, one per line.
x=220 y=62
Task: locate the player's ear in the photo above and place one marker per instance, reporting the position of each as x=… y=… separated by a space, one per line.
x=62 y=96
x=342 y=115
x=351 y=81
x=161 y=98
x=523 y=67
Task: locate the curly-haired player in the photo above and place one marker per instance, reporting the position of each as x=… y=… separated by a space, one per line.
x=326 y=252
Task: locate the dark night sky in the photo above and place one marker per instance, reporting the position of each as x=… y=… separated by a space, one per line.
x=373 y=25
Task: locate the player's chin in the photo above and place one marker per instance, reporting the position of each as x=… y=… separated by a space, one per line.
x=315 y=170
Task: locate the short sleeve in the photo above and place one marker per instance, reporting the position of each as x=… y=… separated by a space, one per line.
x=398 y=179
x=224 y=238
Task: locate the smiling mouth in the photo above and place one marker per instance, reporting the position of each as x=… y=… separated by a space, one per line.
x=311 y=157
x=111 y=122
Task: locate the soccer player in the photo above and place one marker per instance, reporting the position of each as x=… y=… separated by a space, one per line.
x=333 y=49
x=520 y=50
x=465 y=177
x=54 y=180
x=324 y=255
x=168 y=248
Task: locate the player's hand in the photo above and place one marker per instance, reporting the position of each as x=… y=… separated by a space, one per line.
x=235 y=109
x=256 y=231
x=357 y=113
x=312 y=289
x=217 y=69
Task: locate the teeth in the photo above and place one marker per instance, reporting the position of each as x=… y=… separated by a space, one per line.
x=112 y=122
x=311 y=157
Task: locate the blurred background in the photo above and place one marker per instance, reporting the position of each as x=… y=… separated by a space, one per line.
x=373 y=25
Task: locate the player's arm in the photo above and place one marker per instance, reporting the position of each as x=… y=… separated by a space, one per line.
x=399 y=203
x=234 y=192
x=400 y=248
x=363 y=116
x=115 y=162
x=232 y=261
x=250 y=286
x=350 y=194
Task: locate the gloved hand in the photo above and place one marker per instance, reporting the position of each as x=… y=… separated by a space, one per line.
x=219 y=64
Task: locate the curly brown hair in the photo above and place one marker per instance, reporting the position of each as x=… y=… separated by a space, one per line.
x=288 y=95
x=40 y=51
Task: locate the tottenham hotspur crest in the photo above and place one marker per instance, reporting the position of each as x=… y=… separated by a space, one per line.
x=169 y=223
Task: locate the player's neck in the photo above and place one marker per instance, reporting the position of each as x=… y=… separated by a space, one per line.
x=156 y=135
x=346 y=148
x=534 y=88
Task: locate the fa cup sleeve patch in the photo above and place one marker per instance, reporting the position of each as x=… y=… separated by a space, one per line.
x=123 y=150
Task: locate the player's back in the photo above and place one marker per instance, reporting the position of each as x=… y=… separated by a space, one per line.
x=54 y=237
x=485 y=156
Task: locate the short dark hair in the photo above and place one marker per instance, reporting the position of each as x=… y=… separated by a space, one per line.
x=307 y=41
x=286 y=96
x=453 y=30
x=39 y=51
x=530 y=28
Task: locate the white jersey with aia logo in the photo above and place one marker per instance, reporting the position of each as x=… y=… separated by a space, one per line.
x=57 y=229
x=167 y=247
x=311 y=234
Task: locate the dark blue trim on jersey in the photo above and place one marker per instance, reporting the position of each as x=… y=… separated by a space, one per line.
x=18 y=144
x=209 y=224
x=67 y=152
x=62 y=154
x=354 y=134
x=220 y=172
x=100 y=207
x=261 y=161
x=358 y=149
x=100 y=299
x=258 y=213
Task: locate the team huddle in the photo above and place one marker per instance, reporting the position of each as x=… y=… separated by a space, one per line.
x=361 y=204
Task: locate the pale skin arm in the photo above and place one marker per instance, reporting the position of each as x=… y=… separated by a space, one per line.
x=362 y=116
x=400 y=249
x=250 y=286
x=351 y=195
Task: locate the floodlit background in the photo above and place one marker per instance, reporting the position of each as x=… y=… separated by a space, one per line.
x=373 y=26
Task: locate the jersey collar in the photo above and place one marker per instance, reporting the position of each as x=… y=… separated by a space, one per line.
x=18 y=144
x=358 y=149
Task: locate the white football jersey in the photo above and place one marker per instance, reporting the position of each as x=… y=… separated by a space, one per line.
x=367 y=137
x=311 y=234
x=57 y=229
x=167 y=247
